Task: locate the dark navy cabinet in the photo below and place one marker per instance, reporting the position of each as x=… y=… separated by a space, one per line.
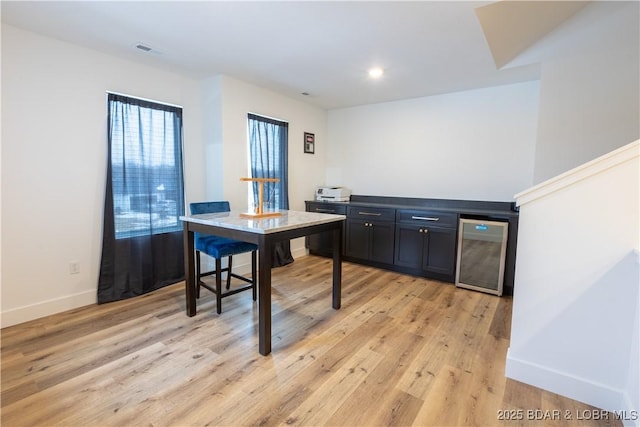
x=426 y=240
x=369 y=234
x=410 y=235
x=322 y=243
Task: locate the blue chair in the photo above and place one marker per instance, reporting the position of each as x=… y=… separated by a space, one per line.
x=219 y=247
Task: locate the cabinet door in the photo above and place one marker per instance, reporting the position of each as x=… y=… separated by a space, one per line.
x=357 y=239
x=409 y=242
x=381 y=242
x=320 y=242
x=440 y=251
x=323 y=242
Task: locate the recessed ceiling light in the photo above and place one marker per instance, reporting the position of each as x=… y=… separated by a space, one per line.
x=376 y=72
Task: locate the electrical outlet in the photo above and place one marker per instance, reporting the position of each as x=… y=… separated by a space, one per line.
x=74 y=267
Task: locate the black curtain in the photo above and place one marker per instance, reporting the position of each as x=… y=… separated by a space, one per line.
x=268 y=146
x=142 y=246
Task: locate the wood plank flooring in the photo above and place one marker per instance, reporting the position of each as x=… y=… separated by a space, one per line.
x=401 y=351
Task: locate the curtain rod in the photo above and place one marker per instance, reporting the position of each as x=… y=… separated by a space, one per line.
x=144 y=99
x=269 y=117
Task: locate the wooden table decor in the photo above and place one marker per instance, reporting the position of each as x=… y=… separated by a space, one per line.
x=260 y=213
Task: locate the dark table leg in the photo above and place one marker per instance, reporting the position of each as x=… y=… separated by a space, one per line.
x=337 y=267
x=189 y=270
x=265 y=248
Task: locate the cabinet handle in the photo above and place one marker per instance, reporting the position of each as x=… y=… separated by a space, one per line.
x=424 y=230
x=325 y=210
x=426 y=218
x=369 y=213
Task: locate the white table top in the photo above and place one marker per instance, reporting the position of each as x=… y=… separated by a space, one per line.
x=289 y=220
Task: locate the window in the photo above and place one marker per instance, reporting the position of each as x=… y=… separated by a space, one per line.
x=146 y=166
x=268 y=159
x=142 y=242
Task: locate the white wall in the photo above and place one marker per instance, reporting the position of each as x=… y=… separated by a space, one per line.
x=54 y=164
x=54 y=159
x=212 y=159
x=476 y=145
x=228 y=102
x=632 y=389
x=590 y=89
x=305 y=170
x=575 y=305
x=576 y=299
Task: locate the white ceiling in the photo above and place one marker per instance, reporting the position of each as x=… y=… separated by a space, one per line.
x=323 y=48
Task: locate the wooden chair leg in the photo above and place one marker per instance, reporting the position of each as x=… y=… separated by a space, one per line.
x=254 y=277
x=197 y=274
x=218 y=285
x=229 y=271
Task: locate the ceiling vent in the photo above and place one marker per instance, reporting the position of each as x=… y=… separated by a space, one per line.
x=146 y=48
x=143 y=47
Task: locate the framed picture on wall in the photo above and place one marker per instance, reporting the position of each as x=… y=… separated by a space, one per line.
x=309 y=143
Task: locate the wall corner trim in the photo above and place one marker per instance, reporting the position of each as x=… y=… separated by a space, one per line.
x=586 y=170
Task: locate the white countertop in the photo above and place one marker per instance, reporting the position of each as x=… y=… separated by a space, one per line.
x=289 y=220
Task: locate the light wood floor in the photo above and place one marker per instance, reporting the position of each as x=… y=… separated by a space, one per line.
x=401 y=351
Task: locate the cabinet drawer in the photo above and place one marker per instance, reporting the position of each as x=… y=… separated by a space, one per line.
x=434 y=218
x=371 y=214
x=327 y=208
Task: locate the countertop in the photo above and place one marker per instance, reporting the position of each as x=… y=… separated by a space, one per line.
x=289 y=220
x=462 y=207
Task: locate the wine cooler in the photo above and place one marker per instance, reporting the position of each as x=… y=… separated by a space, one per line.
x=482 y=247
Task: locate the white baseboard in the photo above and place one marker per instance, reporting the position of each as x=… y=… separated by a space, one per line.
x=47 y=308
x=576 y=388
x=632 y=410
x=69 y=302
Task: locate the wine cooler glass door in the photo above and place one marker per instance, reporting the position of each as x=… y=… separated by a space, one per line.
x=481 y=255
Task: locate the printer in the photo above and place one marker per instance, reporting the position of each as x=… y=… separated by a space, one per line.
x=333 y=194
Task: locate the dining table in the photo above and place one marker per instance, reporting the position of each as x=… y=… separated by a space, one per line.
x=264 y=232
